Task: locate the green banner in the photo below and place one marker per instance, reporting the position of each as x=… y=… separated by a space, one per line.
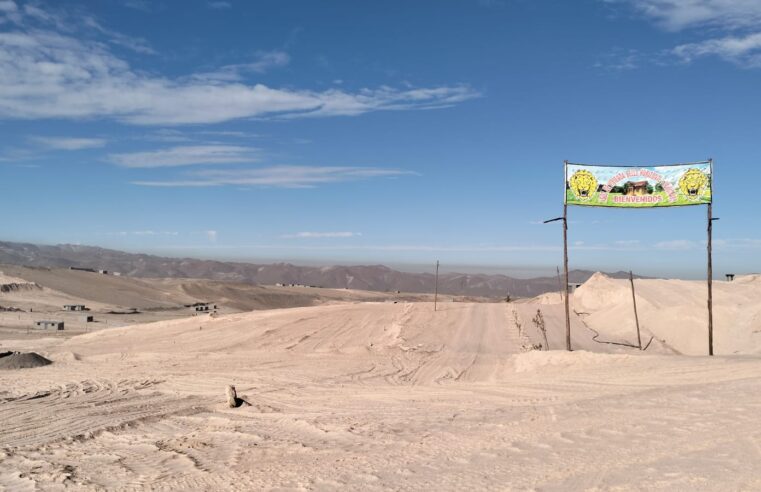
x=638 y=187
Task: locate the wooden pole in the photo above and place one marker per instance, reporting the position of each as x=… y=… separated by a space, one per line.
x=565 y=267
x=636 y=317
x=710 y=281
x=436 y=287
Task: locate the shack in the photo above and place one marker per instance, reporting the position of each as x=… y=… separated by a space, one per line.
x=730 y=277
x=87 y=318
x=74 y=307
x=47 y=324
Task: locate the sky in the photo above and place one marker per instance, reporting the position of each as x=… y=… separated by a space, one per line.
x=394 y=132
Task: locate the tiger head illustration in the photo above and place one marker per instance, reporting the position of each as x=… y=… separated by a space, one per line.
x=693 y=184
x=583 y=184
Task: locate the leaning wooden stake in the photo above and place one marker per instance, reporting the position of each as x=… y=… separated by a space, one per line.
x=636 y=317
x=560 y=284
x=232 y=396
x=436 y=287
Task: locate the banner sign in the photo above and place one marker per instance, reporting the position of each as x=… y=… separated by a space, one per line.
x=638 y=187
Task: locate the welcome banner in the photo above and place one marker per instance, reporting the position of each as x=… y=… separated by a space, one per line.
x=638 y=187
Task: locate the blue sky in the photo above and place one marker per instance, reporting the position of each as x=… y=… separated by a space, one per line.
x=391 y=132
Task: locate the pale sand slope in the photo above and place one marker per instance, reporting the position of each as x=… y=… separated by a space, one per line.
x=675 y=313
x=373 y=397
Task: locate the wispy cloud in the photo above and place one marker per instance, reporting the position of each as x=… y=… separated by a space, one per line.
x=263 y=61
x=680 y=14
x=187 y=155
x=48 y=72
x=742 y=50
x=277 y=176
x=320 y=235
x=141 y=5
x=145 y=232
x=68 y=143
x=622 y=60
x=211 y=235
x=737 y=20
x=138 y=45
x=676 y=245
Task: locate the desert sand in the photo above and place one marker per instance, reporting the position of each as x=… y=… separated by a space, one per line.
x=380 y=395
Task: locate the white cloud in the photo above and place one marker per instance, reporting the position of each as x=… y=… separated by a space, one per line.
x=186 y=156
x=67 y=143
x=47 y=72
x=142 y=233
x=263 y=61
x=676 y=245
x=277 y=176
x=680 y=14
x=211 y=235
x=309 y=235
x=741 y=50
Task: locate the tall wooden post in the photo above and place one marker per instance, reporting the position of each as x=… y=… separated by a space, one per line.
x=565 y=267
x=436 y=287
x=710 y=280
x=636 y=317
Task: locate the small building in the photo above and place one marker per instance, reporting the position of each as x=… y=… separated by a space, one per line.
x=104 y=272
x=87 y=318
x=74 y=307
x=730 y=277
x=47 y=325
x=202 y=308
x=573 y=286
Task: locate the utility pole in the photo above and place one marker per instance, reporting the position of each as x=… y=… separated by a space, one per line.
x=436 y=287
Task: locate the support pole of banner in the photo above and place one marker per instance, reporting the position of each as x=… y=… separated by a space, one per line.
x=710 y=283
x=710 y=266
x=565 y=267
x=436 y=287
x=636 y=317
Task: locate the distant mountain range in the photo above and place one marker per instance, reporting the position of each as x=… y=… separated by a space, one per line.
x=365 y=277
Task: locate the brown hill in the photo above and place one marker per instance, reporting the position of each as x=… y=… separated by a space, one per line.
x=363 y=277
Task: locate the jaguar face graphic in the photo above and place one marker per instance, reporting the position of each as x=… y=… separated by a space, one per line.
x=583 y=184
x=693 y=184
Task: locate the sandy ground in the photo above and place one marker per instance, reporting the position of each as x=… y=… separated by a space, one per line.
x=378 y=396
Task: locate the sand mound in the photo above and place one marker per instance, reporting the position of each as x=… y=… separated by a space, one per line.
x=20 y=360
x=674 y=313
x=403 y=343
